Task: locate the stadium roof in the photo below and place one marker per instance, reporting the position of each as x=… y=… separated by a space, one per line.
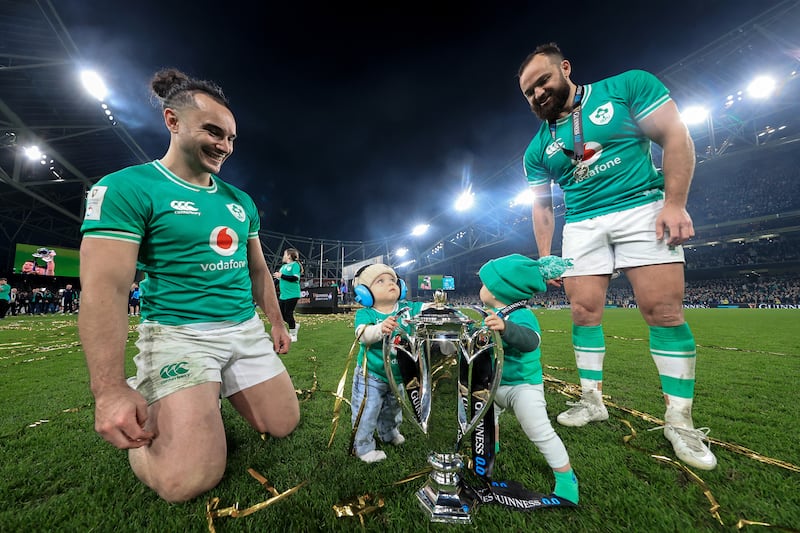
x=43 y=103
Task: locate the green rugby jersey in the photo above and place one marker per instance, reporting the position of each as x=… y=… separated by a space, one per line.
x=374 y=352
x=192 y=241
x=621 y=171
x=290 y=289
x=522 y=367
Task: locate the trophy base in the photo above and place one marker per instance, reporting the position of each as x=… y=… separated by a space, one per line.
x=445 y=508
x=443 y=497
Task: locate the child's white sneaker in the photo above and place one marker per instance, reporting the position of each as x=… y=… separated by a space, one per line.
x=373 y=457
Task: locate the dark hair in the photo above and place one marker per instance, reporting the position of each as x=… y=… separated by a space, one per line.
x=548 y=49
x=295 y=255
x=175 y=89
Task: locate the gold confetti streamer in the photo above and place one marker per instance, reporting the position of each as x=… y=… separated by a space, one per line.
x=572 y=390
x=337 y=404
x=307 y=394
x=361 y=505
x=742 y=523
x=358 y=506
x=357 y=421
x=714 y=510
x=233 y=511
x=416 y=475
x=263 y=481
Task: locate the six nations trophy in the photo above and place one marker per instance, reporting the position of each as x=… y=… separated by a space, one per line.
x=478 y=355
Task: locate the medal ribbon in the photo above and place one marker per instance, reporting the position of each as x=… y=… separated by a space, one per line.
x=577 y=128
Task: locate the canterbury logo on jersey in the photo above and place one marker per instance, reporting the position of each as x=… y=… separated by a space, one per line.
x=554 y=147
x=173 y=371
x=184 y=208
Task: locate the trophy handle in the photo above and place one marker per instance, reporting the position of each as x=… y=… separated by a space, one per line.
x=413 y=367
x=480 y=370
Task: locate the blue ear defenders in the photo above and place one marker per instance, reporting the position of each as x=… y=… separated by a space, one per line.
x=364 y=296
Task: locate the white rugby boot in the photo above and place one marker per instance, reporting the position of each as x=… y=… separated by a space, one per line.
x=590 y=408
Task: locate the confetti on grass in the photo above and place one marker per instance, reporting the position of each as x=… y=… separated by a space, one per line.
x=213 y=511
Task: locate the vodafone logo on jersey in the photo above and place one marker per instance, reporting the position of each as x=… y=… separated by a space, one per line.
x=224 y=241
x=591 y=152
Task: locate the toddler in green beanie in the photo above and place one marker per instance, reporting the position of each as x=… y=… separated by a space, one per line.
x=508 y=283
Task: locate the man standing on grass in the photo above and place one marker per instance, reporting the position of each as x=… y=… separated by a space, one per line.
x=622 y=214
x=196 y=239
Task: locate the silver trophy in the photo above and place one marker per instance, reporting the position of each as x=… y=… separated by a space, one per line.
x=478 y=354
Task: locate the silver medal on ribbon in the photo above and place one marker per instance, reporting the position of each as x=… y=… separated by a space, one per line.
x=581 y=171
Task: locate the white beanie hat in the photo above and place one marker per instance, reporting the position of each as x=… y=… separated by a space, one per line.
x=370 y=273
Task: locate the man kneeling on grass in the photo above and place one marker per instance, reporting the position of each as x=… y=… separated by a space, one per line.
x=200 y=336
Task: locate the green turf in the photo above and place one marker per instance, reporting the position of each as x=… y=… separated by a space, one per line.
x=56 y=474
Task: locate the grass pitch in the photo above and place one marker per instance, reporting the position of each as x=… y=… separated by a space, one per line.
x=57 y=474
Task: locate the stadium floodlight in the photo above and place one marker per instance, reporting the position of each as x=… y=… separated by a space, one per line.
x=525 y=197
x=761 y=87
x=94 y=84
x=420 y=229
x=465 y=200
x=694 y=114
x=401 y=252
x=33 y=153
x=406 y=263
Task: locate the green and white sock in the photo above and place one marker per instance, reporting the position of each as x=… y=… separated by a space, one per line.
x=674 y=351
x=590 y=350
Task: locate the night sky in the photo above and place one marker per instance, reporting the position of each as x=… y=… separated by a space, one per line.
x=357 y=124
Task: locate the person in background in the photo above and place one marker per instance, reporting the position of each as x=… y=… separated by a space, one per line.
x=288 y=277
x=14 y=301
x=68 y=299
x=195 y=237
x=508 y=283
x=24 y=302
x=134 y=299
x=621 y=214
x=5 y=297
x=36 y=301
x=49 y=304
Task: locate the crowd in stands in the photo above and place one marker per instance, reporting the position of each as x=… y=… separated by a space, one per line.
x=763 y=252
x=752 y=290
x=755 y=290
x=745 y=187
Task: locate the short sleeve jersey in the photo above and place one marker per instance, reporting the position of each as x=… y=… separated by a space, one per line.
x=374 y=352
x=621 y=171
x=192 y=241
x=290 y=289
x=522 y=367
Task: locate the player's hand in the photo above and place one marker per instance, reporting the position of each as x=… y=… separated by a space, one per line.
x=557 y=283
x=276 y=275
x=674 y=224
x=494 y=322
x=119 y=417
x=281 y=340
